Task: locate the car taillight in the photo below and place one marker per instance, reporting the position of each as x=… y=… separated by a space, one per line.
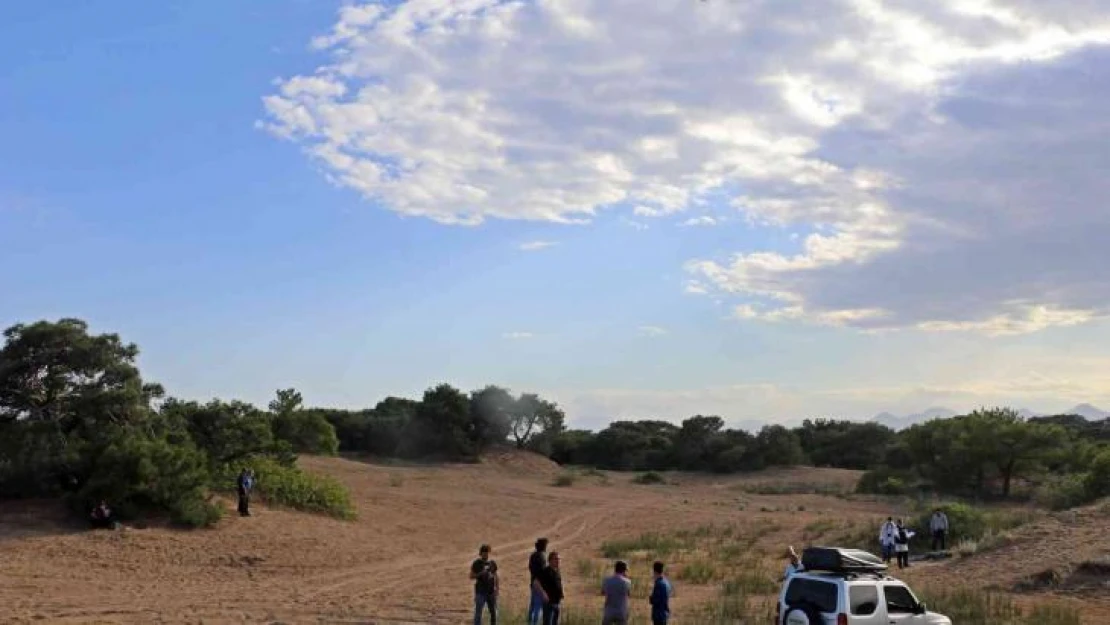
x=842 y=619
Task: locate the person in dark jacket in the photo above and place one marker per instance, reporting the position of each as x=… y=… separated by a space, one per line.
x=484 y=573
x=244 y=486
x=537 y=562
x=550 y=585
x=101 y=516
x=660 y=596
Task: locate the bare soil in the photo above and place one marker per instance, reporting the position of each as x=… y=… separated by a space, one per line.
x=405 y=559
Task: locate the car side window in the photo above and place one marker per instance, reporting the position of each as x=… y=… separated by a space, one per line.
x=819 y=594
x=864 y=600
x=899 y=600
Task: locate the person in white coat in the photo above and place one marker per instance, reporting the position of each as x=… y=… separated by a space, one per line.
x=886 y=538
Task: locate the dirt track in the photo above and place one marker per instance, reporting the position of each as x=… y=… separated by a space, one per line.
x=403 y=561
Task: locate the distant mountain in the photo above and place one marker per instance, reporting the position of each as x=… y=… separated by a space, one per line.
x=896 y=422
x=1089 y=412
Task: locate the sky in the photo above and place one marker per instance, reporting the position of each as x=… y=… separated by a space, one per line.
x=762 y=210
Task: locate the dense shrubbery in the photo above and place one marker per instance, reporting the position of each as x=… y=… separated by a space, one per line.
x=287 y=486
x=76 y=420
x=994 y=453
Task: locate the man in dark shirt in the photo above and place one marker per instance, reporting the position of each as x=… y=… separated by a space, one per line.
x=550 y=585
x=484 y=573
x=660 y=596
x=537 y=562
x=244 y=485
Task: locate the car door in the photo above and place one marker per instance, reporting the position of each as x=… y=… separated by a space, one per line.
x=865 y=607
x=901 y=606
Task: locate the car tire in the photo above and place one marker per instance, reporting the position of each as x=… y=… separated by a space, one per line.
x=802 y=615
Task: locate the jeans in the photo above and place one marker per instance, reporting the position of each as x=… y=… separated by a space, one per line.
x=535 y=608
x=550 y=614
x=482 y=600
x=888 y=552
x=940 y=537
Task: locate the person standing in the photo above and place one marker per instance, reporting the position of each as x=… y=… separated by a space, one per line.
x=902 y=545
x=537 y=562
x=660 y=596
x=794 y=565
x=939 y=526
x=244 y=486
x=886 y=538
x=616 y=589
x=484 y=573
x=549 y=583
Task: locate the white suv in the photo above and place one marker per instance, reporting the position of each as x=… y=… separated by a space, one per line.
x=834 y=598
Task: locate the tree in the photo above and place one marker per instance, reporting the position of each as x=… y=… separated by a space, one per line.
x=693 y=444
x=490 y=410
x=779 y=446
x=440 y=426
x=305 y=431
x=1013 y=445
x=227 y=431
x=532 y=419
x=58 y=373
x=65 y=395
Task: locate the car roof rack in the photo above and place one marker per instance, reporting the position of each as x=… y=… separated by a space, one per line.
x=842 y=561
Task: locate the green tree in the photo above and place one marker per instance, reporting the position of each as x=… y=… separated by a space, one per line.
x=693 y=443
x=779 y=446
x=305 y=431
x=440 y=426
x=534 y=422
x=227 y=431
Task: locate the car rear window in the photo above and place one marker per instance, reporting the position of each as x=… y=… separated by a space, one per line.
x=863 y=599
x=821 y=595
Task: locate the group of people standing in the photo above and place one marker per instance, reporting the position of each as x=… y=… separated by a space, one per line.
x=894 y=537
x=546 y=589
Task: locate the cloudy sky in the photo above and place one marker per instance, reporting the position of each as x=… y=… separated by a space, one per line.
x=764 y=210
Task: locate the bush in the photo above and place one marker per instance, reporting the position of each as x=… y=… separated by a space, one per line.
x=136 y=475
x=970 y=523
x=566 y=479
x=883 y=481
x=978 y=607
x=1062 y=492
x=293 y=488
x=1098 y=479
x=651 y=477
x=307 y=432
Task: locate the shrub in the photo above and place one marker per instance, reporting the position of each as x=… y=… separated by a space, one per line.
x=137 y=475
x=651 y=477
x=1098 y=479
x=883 y=481
x=565 y=479
x=655 y=545
x=307 y=432
x=293 y=488
x=1061 y=492
x=697 y=572
x=978 y=607
x=971 y=523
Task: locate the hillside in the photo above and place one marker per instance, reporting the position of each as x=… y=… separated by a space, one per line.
x=405 y=559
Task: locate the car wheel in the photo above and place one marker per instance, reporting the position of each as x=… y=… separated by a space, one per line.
x=802 y=615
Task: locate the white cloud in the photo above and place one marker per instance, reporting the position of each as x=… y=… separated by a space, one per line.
x=651 y=331
x=517 y=336
x=945 y=158
x=704 y=220
x=532 y=246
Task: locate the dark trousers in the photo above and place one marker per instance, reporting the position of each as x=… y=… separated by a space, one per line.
x=658 y=621
x=550 y=614
x=105 y=523
x=903 y=559
x=940 y=537
x=482 y=600
x=244 y=503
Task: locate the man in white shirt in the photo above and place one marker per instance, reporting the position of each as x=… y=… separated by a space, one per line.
x=938 y=524
x=886 y=539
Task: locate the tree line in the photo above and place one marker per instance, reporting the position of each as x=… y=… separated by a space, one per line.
x=77 y=420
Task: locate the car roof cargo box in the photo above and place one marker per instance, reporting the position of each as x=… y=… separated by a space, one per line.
x=837 y=560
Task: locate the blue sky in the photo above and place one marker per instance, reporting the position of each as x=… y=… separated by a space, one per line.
x=200 y=177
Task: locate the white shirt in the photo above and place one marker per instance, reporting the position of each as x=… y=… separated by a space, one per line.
x=886 y=534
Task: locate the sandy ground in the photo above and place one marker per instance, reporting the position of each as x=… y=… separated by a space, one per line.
x=405 y=559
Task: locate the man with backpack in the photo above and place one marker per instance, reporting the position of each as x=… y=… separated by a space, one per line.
x=484 y=573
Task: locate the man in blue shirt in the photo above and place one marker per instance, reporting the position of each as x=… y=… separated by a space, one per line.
x=660 y=597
